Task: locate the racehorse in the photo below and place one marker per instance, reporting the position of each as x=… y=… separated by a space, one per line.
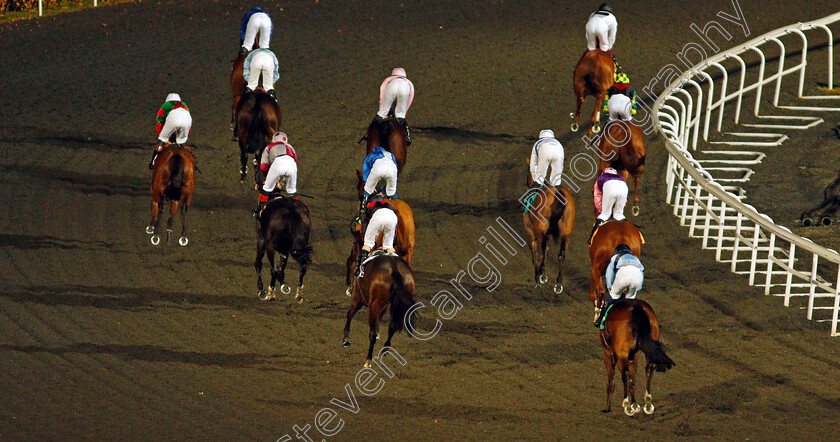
x=173 y=179
x=390 y=134
x=623 y=142
x=594 y=74
x=608 y=236
x=388 y=281
x=631 y=326
x=283 y=227
x=257 y=119
x=554 y=217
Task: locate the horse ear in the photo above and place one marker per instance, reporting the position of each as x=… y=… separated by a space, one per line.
x=528 y=161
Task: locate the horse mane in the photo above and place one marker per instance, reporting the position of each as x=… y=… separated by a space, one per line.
x=176 y=178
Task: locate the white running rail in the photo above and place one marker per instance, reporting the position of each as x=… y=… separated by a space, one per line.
x=706 y=194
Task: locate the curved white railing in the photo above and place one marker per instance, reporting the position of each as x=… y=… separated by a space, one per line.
x=706 y=193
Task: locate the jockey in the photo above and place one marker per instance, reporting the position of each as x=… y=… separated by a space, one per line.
x=381 y=218
x=172 y=118
x=624 y=276
x=380 y=165
x=610 y=194
x=396 y=88
x=261 y=62
x=279 y=160
x=600 y=30
x=620 y=101
x=547 y=151
x=255 y=20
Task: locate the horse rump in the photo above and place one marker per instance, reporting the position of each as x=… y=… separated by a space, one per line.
x=401 y=298
x=653 y=350
x=176 y=178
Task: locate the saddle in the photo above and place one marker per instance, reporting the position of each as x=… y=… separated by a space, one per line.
x=611 y=220
x=374 y=254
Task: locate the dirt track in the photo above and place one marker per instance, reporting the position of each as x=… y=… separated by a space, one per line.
x=107 y=337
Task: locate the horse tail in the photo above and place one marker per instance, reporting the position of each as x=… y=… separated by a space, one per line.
x=176 y=178
x=654 y=350
x=401 y=298
x=301 y=250
x=256 y=130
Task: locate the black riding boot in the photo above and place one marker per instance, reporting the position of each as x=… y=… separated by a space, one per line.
x=242 y=50
x=407 y=132
x=617 y=66
x=154 y=155
x=362 y=204
x=362 y=257
x=272 y=94
x=600 y=317
x=264 y=197
x=598 y=222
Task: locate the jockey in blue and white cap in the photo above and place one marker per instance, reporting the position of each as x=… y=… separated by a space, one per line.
x=546 y=152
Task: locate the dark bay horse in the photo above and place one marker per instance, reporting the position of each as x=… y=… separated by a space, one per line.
x=594 y=74
x=606 y=239
x=390 y=134
x=551 y=215
x=403 y=238
x=631 y=326
x=388 y=282
x=623 y=142
x=257 y=119
x=237 y=80
x=284 y=227
x=173 y=179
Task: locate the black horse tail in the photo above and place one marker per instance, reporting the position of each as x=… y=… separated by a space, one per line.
x=300 y=250
x=257 y=125
x=401 y=299
x=176 y=178
x=654 y=350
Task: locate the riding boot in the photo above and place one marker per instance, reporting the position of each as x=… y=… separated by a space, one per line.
x=263 y=201
x=531 y=195
x=363 y=255
x=617 y=66
x=407 y=132
x=602 y=311
x=293 y=196
x=598 y=222
x=158 y=148
x=242 y=50
x=272 y=94
x=362 y=204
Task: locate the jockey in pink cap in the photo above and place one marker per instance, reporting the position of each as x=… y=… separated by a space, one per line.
x=397 y=91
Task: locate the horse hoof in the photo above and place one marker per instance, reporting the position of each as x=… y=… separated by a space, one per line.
x=649 y=408
x=572 y=115
x=367 y=364
x=299 y=295
x=826 y=221
x=168 y=235
x=377 y=336
x=635 y=210
x=558 y=289
x=347 y=292
x=262 y=295
x=575 y=127
x=636 y=408
x=155 y=240
x=150 y=230
x=629 y=411
x=543 y=279
x=183 y=241
x=807 y=222
x=284 y=289
x=346 y=343
x=596 y=128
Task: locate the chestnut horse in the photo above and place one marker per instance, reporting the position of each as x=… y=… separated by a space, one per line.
x=403 y=238
x=623 y=142
x=550 y=215
x=388 y=281
x=631 y=326
x=594 y=74
x=606 y=239
x=284 y=227
x=173 y=179
x=257 y=119
x=390 y=134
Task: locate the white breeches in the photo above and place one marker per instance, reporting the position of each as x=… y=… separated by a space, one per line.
x=178 y=122
x=549 y=155
x=258 y=22
x=615 y=198
x=383 y=221
x=597 y=31
x=382 y=169
x=620 y=107
x=283 y=166
x=261 y=64
x=627 y=277
x=397 y=90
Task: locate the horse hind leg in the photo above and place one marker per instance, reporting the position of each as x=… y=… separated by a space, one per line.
x=609 y=362
x=183 y=240
x=563 y=242
x=648 y=397
x=258 y=266
x=299 y=291
x=624 y=369
x=576 y=115
x=150 y=229
x=373 y=321
x=270 y=254
x=282 y=276
x=243 y=170
x=173 y=208
x=635 y=208
x=631 y=384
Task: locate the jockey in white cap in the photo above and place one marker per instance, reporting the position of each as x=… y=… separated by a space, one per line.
x=279 y=160
x=547 y=151
x=398 y=91
x=600 y=30
x=173 y=118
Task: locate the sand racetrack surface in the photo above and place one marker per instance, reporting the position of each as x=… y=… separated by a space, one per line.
x=105 y=337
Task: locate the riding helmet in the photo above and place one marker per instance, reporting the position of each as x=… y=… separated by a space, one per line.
x=173 y=97
x=398 y=71
x=546 y=133
x=280 y=137
x=605 y=7
x=622 y=249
